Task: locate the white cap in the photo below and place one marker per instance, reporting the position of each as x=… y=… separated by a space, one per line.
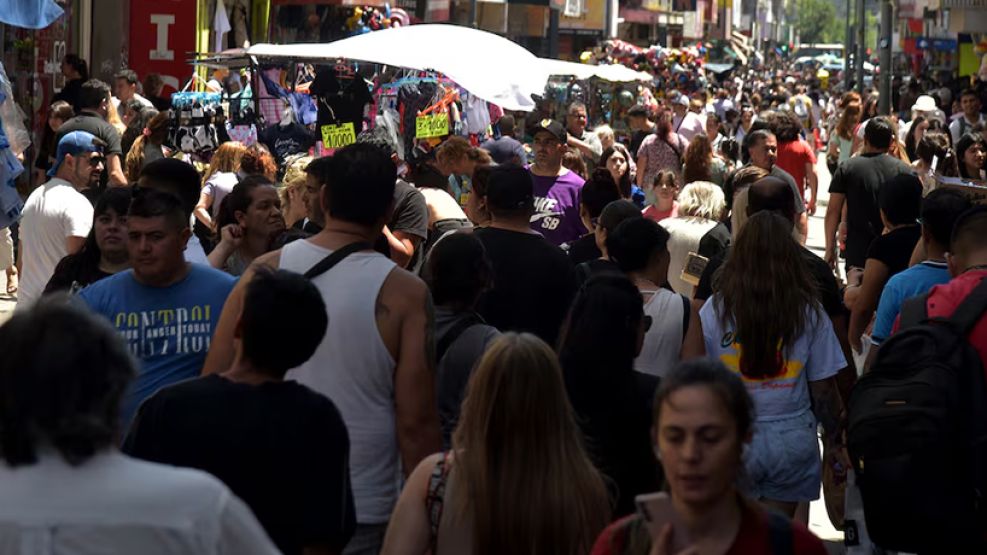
x=925 y=103
x=682 y=99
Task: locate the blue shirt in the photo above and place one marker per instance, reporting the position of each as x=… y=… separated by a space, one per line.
x=911 y=282
x=167 y=328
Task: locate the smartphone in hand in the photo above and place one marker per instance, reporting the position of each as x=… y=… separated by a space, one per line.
x=657 y=510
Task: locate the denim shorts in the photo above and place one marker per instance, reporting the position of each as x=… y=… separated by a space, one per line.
x=782 y=462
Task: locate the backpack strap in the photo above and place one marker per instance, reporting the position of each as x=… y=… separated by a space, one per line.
x=913 y=311
x=686 y=315
x=435 y=496
x=335 y=257
x=971 y=309
x=457 y=329
x=780 y=534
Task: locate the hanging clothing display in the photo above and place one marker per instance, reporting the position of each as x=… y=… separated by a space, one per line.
x=338 y=103
x=192 y=129
x=270 y=104
x=301 y=103
x=286 y=140
x=10 y=167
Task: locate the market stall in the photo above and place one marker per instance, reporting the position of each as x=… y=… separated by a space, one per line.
x=607 y=90
x=489 y=66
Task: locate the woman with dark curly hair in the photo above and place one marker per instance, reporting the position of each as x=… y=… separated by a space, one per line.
x=701 y=164
x=795 y=155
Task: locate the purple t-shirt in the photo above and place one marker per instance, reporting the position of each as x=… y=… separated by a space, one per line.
x=557 y=207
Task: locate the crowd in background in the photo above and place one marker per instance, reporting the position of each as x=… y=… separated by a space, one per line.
x=503 y=348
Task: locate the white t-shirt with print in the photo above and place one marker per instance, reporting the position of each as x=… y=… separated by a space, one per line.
x=52 y=213
x=814 y=356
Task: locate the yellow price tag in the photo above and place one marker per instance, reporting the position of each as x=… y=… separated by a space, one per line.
x=432 y=125
x=338 y=136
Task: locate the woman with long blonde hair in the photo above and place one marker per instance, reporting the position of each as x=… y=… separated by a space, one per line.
x=148 y=147
x=517 y=479
x=218 y=181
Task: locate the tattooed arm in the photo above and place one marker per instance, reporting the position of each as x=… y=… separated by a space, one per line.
x=418 y=433
x=828 y=406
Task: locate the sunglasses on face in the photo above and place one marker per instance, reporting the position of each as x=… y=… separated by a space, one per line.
x=97 y=160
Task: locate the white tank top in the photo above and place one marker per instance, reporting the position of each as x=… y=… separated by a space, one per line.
x=353 y=367
x=663 y=341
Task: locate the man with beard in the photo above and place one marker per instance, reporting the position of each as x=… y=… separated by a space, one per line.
x=57 y=217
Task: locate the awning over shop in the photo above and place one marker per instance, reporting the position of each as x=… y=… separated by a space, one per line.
x=615 y=73
x=487 y=65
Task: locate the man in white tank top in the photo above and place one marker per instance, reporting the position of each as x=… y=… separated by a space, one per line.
x=377 y=360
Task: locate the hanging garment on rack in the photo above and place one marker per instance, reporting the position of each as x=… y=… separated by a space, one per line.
x=10 y=167
x=477 y=115
x=245 y=134
x=412 y=99
x=270 y=105
x=338 y=103
x=390 y=121
x=286 y=140
x=301 y=103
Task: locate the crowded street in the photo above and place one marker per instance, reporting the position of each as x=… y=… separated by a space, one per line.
x=464 y=277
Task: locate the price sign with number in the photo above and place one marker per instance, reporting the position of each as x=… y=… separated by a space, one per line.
x=338 y=136
x=432 y=125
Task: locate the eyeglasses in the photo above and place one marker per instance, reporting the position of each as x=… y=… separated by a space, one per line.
x=96 y=161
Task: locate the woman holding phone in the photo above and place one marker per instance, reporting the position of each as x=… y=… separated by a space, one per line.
x=703 y=422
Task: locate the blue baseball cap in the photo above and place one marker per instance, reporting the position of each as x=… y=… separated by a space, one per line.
x=74 y=142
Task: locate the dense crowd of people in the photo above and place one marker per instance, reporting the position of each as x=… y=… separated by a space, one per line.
x=563 y=340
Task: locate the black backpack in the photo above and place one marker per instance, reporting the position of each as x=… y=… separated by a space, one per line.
x=918 y=433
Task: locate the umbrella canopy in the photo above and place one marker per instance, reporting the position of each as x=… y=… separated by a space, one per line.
x=487 y=65
x=616 y=73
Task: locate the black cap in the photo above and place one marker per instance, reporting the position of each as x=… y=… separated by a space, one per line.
x=553 y=127
x=509 y=188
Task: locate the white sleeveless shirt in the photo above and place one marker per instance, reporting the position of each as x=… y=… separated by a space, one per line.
x=663 y=341
x=353 y=367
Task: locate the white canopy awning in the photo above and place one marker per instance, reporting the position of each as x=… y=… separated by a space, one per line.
x=487 y=65
x=616 y=73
